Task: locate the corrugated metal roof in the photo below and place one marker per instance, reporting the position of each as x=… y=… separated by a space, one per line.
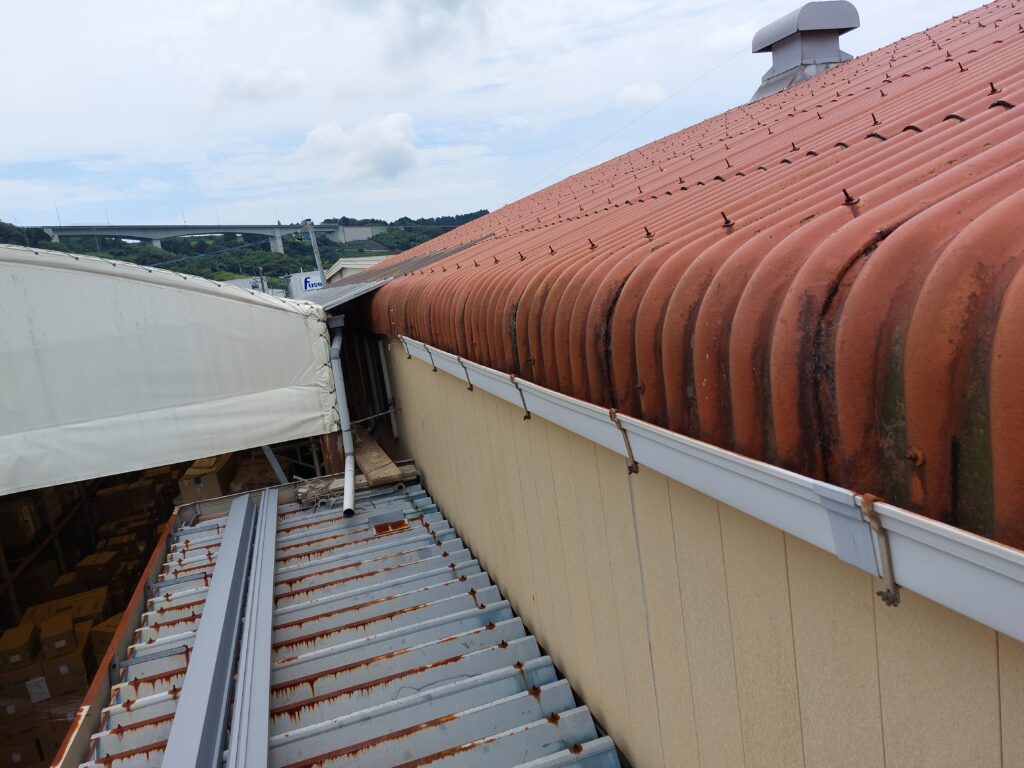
x=344 y=291
x=352 y=287
x=382 y=640
x=827 y=279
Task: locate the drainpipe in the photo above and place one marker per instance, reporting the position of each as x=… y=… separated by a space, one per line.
x=346 y=427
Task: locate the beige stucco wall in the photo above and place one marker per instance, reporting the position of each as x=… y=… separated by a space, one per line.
x=698 y=635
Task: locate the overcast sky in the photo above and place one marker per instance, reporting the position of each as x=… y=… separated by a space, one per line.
x=232 y=111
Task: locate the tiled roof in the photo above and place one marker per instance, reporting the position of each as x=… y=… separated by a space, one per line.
x=828 y=279
x=382 y=643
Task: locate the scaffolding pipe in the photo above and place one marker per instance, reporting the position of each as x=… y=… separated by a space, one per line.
x=387 y=387
x=346 y=426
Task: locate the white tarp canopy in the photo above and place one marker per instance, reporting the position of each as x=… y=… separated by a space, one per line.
x=107 y=367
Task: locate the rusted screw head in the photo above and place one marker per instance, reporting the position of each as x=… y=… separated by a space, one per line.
x=915 y=456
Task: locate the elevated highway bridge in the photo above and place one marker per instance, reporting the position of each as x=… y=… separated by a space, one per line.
x=156 y=233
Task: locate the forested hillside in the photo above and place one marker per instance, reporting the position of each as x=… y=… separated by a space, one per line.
x=224 y=257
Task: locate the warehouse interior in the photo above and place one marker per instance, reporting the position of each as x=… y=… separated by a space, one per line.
x=70 y=557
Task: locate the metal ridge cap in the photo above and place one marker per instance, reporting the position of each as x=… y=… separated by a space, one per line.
x=969 y=574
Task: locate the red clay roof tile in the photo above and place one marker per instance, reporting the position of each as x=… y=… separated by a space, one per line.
x=829 y=279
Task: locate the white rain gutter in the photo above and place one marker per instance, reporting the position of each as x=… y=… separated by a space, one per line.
x=346 y=426
x=969 y=574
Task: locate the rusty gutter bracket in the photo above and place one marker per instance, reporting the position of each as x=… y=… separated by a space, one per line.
x=408 y=354
x=632 y=467
x=890 y=594
x=433 y=365
x=466 y=370
x=522 y=397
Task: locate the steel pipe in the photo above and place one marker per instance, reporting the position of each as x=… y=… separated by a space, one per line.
x=346 y=426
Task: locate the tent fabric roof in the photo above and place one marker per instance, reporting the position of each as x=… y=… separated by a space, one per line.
x=109 y=367
x=829 y=279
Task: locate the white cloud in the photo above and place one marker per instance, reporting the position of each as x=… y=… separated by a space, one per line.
x=640 y=95
x=263 y=84
x=235 y=103
x=378 y=147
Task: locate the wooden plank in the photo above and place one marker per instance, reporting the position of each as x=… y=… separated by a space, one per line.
x=374 y=462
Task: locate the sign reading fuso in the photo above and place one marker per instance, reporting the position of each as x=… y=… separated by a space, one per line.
x=301 y=282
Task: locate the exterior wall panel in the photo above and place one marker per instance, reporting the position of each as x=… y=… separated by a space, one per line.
x=698 y=635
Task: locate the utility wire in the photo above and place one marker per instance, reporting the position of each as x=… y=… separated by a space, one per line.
x=636 y=119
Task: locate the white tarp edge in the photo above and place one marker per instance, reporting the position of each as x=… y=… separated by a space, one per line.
x=108 y=367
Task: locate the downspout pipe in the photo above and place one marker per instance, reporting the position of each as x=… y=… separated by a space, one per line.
x=346 y=427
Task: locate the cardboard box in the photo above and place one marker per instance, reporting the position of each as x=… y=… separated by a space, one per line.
x=102 y=635
x=61 y=711
x=65 y=586
x=57 y=635
x=207 y=478
x=96 y=569
x=23 y=753
x=126 y=545
x=17 y=713
x=256 y=473
x=111 y=500
x=70 y=673
x=27 y=682
x=91 y=605
x=19 y=520
x=12 y=681
x=18 y=645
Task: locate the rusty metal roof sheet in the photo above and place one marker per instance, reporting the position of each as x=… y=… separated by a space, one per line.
x=829 y=279
x=375 y=640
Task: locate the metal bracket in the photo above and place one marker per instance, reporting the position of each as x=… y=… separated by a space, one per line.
x=408 y=354
x=632 y=467
x=466 y=371
x=433 y=365
x=891 y=593
x=522 y=397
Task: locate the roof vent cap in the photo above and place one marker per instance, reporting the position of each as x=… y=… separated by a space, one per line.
x=804 y=43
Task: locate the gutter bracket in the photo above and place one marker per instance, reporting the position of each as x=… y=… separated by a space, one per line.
x=522 y=397
x=408 y=354
x=433 y=365
x=466 y=371
x=891 y=593
x=632 y=467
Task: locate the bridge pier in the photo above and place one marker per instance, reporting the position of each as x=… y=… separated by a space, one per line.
x=276 y=244
x=156 y=243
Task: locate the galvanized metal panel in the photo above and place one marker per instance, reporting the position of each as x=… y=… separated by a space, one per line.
x=371 y=640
